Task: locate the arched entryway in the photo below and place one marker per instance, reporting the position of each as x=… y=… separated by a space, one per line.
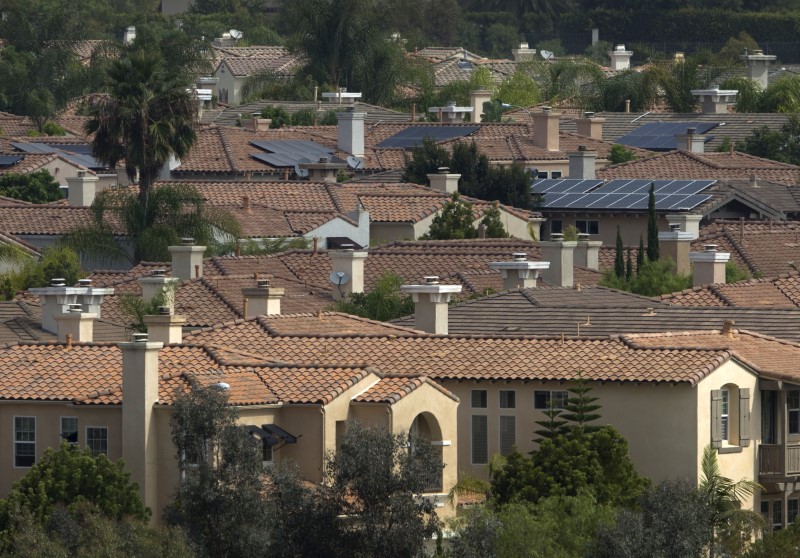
x=426 y=427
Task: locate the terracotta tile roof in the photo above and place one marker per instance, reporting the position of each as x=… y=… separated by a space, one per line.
x=375 y=113
x=243 y=66
x=781 y=292
x=25 y=247
x=42 y=219
x=712 y=166
x=392 y=389
x=328 y=323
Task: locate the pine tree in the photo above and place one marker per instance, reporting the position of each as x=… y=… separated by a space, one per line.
x=493 y=222
x=628 y=266
x=580 y=406
x=640 y=256
x=619 y=262
x=653 y=251
x=551 y=427
x=453 y=222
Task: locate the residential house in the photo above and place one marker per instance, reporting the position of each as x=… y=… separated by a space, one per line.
x=233 y=71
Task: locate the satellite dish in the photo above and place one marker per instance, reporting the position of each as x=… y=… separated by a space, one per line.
x=546 y=54
x=236 y=34
x=339 y=278
x=300 y=172
x=354 y=162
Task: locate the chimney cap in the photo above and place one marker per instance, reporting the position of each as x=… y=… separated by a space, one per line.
x=431 y=279
x=691 y=131
x=139 y=337
x=443 y=170
x=75 y=308
x=546 y=108
x=263 y=283
x=164 y=311
x=187 y=241
x=556 y=236
x=520 y=256
x=85 y=282
x=710 y=247
x=58 y=282
x=588 y=114
x=160 y=272
x=221 y=386
x=583 y=148
x=674 y=227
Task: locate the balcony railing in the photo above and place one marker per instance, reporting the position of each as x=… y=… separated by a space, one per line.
x=778 y=460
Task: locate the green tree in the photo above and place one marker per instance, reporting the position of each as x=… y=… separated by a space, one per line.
x=628 y=265
x=779 y=145
x=70 y=476
x=170 y=212
x=425 y=159
x=454 y=221
x=35 y=187
x=57 y=261
x=651 y=279
x=146 y=119
x=778 y=544
x=553 y=425
x=493 y=225
x=620 y=154
x=518 y=89
x=383 y=302
x=734 y=273
x=580 y=406
x=278 y=115
x=653 y=251
x=382 y=474
x=619 y=262
x=677 y=78
x=640 y=256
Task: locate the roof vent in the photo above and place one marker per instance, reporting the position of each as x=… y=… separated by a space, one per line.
x=431 y=279
x=691 y=131
x=443 y=170
x=262 y=283
x=546 y=109
x=588 y=114
x=84 y=282
x=710 y=247
x=139 y=338
x=58 y=282
x=674 y=227
x=159 y=272
x=77 y=308
x=520 y=256
x=187 y=241
x=164 y=311
x=222 y=386
x=650 y=312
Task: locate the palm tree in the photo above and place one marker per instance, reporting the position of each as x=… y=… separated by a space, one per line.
x=169 y=213
x=724 y=498
x=146 y=118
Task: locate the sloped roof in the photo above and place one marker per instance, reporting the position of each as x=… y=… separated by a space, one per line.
x=782 y=291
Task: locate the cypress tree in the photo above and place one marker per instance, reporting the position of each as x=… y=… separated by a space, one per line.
x=629 y=266
x=619 y=262
x=640 y=256
x=652 y=227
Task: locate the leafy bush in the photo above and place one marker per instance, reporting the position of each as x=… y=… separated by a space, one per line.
x=35 y=187
x=652 y=279
x=52 y=129
x=383 y=302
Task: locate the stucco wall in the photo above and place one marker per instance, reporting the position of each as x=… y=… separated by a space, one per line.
x=630 y=226
x=380 y=233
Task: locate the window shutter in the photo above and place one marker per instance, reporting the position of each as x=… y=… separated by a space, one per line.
x=744 y=417
x=716 y=418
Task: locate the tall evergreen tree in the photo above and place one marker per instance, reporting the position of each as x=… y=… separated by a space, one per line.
x=640 y=256
x=628 y=265
x=580 y=407
x=653 y=251
x=551 y=427
x=619 y=262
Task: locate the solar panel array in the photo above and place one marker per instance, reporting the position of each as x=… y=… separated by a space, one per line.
x=660 y=136
x=8 y=160
x=75 y=153
x=671 y=195
x=287 y=153
x=414 y=135
x=564 y=185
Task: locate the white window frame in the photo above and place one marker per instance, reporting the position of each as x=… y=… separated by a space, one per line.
x=61 y=429
x=86 y=439
x=472 y=439
x=26 y=442
x=725 y=406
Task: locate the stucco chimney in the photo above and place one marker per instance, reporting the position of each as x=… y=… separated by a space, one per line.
x=675 y=245
x=164 y=327
x=75 y=323
x=587 y=252
x=350 y=264
x=687 y=222
x=82 y=189
x=715 y=100
x=187 y=259
x=430 y=304
x=709 y=265
x=129 y=35
x=523 y=52
x=323 y=170
x=561 y=255
x=444 y=181
x=758 y=66
x=545 y=129
x=620 y=58
x=55 y=300
x=520 y=273
x=450 y=113
x=590 y=125
x=351 y=132
x=92 y=298
x=157 y=283
x=476 y=99
x=263 y=299
x=691 y=141
x=582 y=163
x=139 y=395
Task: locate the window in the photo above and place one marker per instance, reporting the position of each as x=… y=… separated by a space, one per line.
x=541 y=174
x=24 y=441
x=266 y=452
x=792 y=509
x=69 y=429
x=548 y=399
x=97 y=440
x=555 y=174
x=480 y=439
x=508 y=399
x=508 y=434
x=556 y=226
x=771 y=510
x=725 y=397
x=793 y=408
x=588 y=226
x=479 y=399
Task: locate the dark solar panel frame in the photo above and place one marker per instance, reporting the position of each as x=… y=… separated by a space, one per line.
x=414 y=135
x=8 y=160
x=287 y=153
x=564 y=185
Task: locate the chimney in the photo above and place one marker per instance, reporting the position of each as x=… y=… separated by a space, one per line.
x=520 y=273
x=582 y=163
x=55 y=301
x=341 y=97
x=444 y=181
x=715 y=100
x=545 y=129
x=675 y=245
x=260 y=124
x=76 y=324
x=246 y=204
x=351 y=132
x=165 y=327
x=187 y=259
x=587 y=253
x=324 y=170
x=709 y=265
x=81 y=189
x=590 y=125
x=92 y=298
x=535 y=227
x=450 y=113
x=523 y=53
x=620 y=58
x=476 y=99
x=130 y=35
x=263 y=300
x=691 y=141
x=560 y=254
x=139 y=433
x=687 y=222
x=430 y=304
x=158 y=283
x=348 y=272
x=758 y=66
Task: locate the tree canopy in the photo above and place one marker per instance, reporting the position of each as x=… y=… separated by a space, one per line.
x=34 y=187
x=383 y=302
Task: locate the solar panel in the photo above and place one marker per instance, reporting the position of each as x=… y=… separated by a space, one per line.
x=690 y=202
x=660 y=186
x=8 y=160
x=79 y=148
x=564 y=185
x=414 y=135
x=287 y=153
x=660 y=136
